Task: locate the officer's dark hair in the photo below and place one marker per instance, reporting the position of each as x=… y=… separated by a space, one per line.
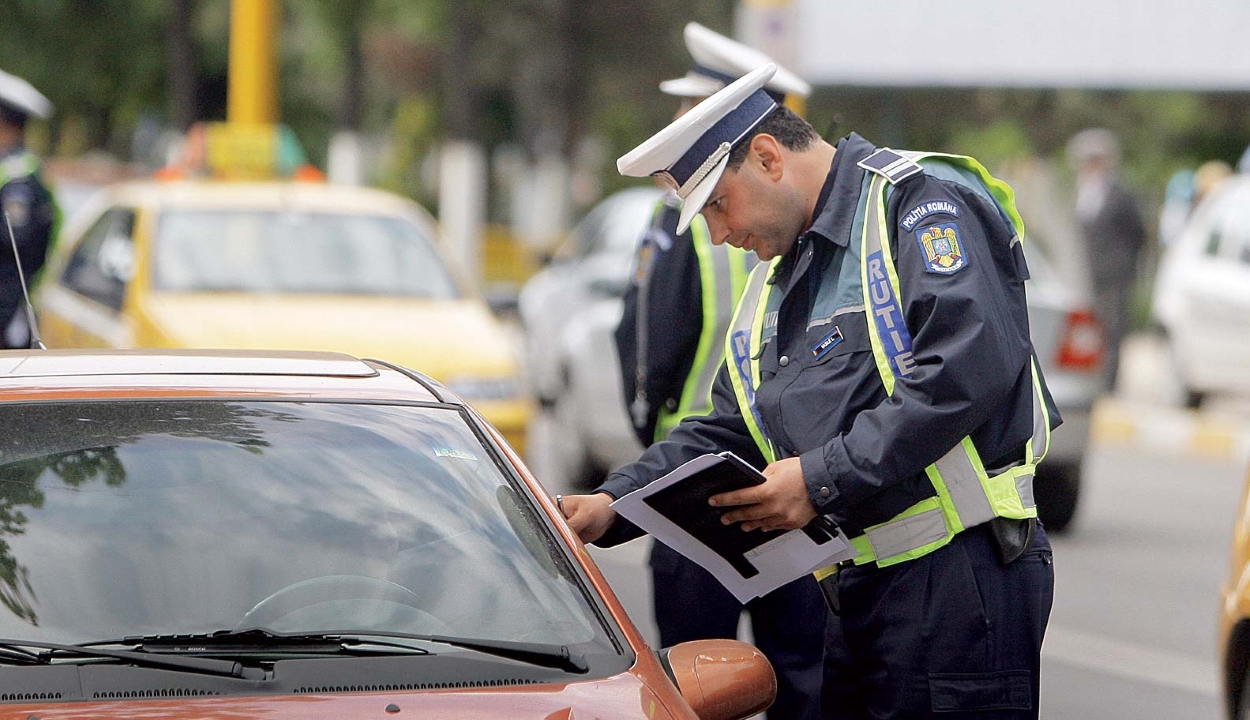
x=791 y=131
x=10 y=115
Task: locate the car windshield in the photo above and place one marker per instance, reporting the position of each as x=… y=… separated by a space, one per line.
x=296 y=252
x=140 y=518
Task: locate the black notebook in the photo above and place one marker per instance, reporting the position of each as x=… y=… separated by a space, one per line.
x=685 y=504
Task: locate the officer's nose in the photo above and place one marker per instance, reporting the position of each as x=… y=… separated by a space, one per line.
x=718 y=232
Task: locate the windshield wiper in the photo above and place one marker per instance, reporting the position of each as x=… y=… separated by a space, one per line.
x=206 y=666
x=253 y=639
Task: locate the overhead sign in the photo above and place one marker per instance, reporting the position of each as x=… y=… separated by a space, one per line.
x=1148 y=44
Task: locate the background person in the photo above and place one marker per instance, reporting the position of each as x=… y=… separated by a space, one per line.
x=880 y=371
x=671 y=341
x=25 y=200
x=1114 y=234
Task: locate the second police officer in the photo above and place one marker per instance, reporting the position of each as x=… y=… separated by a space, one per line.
x=29 y=209
x=879 y=371
x=671 y=342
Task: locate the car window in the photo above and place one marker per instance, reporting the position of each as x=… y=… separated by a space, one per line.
x=103 y=262
x=584 y=238
x=613 y=226
x=296 y=252
x=628 y=221
x=1235 y=227
x=144 y=518
x=1224 y=224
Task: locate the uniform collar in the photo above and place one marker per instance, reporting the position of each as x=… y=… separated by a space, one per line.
x=841 y=191
x=832 y=222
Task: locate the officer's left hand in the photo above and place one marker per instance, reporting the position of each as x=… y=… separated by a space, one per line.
x=780 y=503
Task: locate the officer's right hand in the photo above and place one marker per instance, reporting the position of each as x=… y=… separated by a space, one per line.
x=589 y=515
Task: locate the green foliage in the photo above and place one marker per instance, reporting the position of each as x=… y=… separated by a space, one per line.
x=533 y=72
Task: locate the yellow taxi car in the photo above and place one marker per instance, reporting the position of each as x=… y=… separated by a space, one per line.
x=277 y=265
x=1233 y=624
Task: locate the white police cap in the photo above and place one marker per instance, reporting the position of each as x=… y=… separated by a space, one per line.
x=719 y=61
x=692 y=152
x=23 y=97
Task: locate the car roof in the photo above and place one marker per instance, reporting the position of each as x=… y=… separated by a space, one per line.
x=308 y=196
x=26 y=375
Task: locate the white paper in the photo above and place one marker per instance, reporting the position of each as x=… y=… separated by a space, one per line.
x=779 y=561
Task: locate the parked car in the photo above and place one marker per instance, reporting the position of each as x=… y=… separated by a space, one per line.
x=571 y=309
x=1202 y=295
x=1070 y=349
x=281 y=265
x=218 y=534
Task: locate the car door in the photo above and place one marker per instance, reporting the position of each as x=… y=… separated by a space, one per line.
x=83 y=307
x=1215 y=323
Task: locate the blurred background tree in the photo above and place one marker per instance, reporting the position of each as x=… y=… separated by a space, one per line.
x=525 y=79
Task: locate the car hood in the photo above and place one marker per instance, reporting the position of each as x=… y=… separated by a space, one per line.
x=622 y=697
x=443 y=338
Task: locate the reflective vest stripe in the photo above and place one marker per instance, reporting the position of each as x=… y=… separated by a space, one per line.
x=741 y=347
x=722 y=277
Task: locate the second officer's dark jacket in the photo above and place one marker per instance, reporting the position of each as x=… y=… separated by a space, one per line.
x=863 y=453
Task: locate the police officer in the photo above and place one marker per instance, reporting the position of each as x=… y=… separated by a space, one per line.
x=26 y=202
x=879 y=370
x=671 y=342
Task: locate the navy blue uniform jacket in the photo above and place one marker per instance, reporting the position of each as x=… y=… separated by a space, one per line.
x=863 y=453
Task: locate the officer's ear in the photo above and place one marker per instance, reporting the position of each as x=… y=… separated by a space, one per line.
x=766 y=153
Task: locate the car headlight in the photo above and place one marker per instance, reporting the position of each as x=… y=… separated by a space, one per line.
x=485 y=388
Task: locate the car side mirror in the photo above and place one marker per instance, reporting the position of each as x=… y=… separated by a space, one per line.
x=721 y=679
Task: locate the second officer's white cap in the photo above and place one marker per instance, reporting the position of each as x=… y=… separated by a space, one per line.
x=21 y=96
x=692 y=153
x=719 y=61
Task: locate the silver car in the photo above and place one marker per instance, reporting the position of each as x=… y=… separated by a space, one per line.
x=570 y=311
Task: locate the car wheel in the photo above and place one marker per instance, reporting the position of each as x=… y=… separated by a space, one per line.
x=1189 y=397
x=1056 y=489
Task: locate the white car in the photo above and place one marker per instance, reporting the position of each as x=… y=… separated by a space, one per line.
x=570 y=311
x=1202 y=295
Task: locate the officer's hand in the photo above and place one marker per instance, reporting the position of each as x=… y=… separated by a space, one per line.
x=589 y=515
x=780 y=503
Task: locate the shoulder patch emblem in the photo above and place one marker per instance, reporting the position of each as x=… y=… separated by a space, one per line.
x=924 y=210
x=942 y=251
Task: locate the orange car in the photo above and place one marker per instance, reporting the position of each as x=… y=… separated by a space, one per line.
x=195 y=534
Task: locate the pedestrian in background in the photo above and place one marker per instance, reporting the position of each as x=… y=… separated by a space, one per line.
x=26 y=202
x=1114 y=234
x=671 y=341
x=879 y=371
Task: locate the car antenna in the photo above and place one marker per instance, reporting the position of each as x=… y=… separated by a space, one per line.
x=30 y=310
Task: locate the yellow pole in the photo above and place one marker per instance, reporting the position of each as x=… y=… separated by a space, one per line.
x=252 y=91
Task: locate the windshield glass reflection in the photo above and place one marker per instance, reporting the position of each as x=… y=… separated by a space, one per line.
x=144 y=518
x=296 y=252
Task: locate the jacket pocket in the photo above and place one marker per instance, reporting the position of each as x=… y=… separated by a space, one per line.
x=967 y=692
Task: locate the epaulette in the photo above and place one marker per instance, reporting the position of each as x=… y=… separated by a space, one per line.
x=891 y=165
